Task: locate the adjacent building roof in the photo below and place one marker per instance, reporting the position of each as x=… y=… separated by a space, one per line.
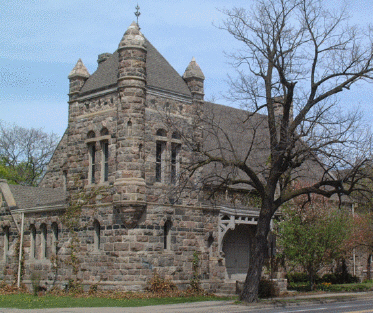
x=160 y=74
x=27 y=197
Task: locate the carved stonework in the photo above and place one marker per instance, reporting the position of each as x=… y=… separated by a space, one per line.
x=130 y=213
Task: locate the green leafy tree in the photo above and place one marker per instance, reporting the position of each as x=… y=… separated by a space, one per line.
x=314 y=234
x=24 y=153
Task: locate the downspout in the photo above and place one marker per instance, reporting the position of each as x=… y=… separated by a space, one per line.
x=20 y=252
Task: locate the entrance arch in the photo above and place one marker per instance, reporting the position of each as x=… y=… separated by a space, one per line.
x=237 y=244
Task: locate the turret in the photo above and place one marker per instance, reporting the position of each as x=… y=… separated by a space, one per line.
x=129 y=180
x=194 y=78
x=132 y=60
x=77 y=77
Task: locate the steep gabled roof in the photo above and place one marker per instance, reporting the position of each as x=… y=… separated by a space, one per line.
x=160 y=74
x=236 y=134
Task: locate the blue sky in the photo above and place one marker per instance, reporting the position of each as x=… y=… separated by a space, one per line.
x=41 y=40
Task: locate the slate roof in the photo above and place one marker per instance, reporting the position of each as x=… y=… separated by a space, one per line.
x=160 y=74
x=238 y=134
x=32 y=197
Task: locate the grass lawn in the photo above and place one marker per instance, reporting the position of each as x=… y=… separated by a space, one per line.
x=27 y=301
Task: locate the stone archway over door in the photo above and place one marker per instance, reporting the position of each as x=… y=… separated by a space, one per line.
x=237 y=244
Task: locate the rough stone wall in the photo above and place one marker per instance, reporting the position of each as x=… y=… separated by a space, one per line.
x=54 y=177
x=9 y=258
x=91 y=115
x=126 y=258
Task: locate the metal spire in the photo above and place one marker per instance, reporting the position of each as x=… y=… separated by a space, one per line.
x=137 y=13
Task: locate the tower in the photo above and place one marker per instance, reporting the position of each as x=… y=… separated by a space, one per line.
x=129 y=176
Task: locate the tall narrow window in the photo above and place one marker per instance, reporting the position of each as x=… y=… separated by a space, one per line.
x=92 y=162
x=175 y=157
x=32 y=242
x=160 y=162
x=65 y=180
x=129 y=128
x=54 y=238
x=92 y=156
x=105 y=160
x=167 y=235
x=175 y=162
x=96 y=235
x=43 y=241
x=6 y=241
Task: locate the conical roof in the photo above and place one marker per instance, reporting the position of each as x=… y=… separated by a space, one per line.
x=193 y=70
x=79 y=70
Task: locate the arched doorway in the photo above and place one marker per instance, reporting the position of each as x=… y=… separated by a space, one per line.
x=237 y=244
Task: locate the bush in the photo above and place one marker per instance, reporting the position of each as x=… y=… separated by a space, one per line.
x=267 y=289
x=339 y=278
x=74 y=287
x=157 y=284
x=297 y=277
x=301 y=286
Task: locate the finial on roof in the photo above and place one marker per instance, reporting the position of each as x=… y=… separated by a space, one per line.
x=79 y=70
x=137 y=14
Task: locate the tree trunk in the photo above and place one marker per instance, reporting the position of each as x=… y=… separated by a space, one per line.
x=260 y=251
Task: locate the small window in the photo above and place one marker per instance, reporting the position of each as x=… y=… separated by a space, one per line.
x=129 y=128
x=105 y=160
x=43 y=241
x=6 y=241
x=167 y=235
x=54 y=238
x=92 y=162
x=96 y=235
x=32 y=242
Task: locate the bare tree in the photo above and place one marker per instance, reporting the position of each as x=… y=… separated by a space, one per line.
x=295 y=58
x=25 y=153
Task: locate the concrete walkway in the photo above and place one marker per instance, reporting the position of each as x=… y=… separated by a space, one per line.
x=206 y=306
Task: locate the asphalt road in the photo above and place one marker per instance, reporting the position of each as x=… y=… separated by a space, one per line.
x=341 y=305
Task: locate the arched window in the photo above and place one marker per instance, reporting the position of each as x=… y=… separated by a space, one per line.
x=92 y=162
x=105 y=160
x=176 y=135
x=6 y=241
x=32 y=242
x=54 y=238
x=175 y=162
x=43 y=241
x=92 y=157
x=160 y=155
x=96 y=235
x=104 y=131
x=175 y=157
x=210 y=241
x=167 y=235
x=129 y=128
x=91 y=134
x=161 y=133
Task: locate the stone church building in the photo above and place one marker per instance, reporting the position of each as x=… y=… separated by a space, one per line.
x=119 y=168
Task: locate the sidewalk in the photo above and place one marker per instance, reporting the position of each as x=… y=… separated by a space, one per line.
x=208 y=306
